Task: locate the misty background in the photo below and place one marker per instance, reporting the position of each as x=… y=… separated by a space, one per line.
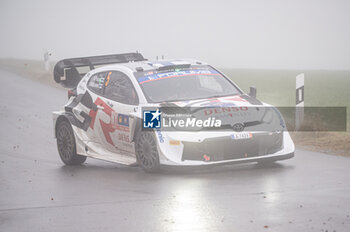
x=233 y=34
x=265 y=44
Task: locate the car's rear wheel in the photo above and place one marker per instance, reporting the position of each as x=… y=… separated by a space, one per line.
x=66 y=144
x=147 y=152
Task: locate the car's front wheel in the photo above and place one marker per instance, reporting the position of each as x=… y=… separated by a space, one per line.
x=66 y=144
x=147 y=152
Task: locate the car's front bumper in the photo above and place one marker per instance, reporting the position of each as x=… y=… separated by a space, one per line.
x=252 y=151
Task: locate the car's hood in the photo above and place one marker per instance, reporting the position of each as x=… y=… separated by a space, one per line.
x=228 y=101
x=230 y=110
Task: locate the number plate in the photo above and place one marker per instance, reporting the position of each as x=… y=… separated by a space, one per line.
x=241 y=135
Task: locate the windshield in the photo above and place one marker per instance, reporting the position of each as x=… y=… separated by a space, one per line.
x=184 y=84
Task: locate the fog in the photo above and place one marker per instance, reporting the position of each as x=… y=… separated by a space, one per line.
x=238 y=34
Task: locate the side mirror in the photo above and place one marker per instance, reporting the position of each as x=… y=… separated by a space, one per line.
x=252 y=91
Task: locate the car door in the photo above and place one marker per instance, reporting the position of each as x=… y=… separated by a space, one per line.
x=95 y=88
x=118 y=102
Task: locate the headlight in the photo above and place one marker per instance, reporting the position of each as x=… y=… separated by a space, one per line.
x=268 y=117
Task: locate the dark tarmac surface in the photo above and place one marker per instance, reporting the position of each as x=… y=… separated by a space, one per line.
x=310 y=192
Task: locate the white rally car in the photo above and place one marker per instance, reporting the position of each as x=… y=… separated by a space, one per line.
x=109 y=96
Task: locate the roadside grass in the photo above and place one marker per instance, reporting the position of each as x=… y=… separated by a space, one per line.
x=276 y=87
x=32 y=69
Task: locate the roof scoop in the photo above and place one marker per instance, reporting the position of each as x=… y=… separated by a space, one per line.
x=166 y=65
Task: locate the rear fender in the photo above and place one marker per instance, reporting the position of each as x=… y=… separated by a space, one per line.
x=64 y=116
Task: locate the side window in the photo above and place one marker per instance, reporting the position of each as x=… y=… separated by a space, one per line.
x=96 y=82
x=119 y=88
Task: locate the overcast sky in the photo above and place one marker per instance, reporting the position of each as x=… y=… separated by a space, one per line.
x=307 y=34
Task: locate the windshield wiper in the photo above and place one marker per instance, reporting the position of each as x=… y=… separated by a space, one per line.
x=177 y=100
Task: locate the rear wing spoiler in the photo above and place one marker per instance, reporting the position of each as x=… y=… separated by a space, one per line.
x=67 y=74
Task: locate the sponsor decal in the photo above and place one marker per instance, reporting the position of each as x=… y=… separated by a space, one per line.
x=222 y=110
x=81 y=119
x=158 y=76
x=237 y=99
x=124 y=138
x=160 y=136
x=174 y=142
x=121 y=122
x=117 y=121
x=107 y=127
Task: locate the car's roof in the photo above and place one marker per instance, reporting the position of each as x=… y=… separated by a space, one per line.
x=151 y=65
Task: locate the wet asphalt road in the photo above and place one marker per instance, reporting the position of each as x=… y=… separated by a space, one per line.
x=310 y=192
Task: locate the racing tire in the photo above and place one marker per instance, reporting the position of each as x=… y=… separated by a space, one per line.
x=66 y=144
x=147 y=152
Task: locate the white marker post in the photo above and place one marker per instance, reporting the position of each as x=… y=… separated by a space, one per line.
x=299 y=100
x=47 y=61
